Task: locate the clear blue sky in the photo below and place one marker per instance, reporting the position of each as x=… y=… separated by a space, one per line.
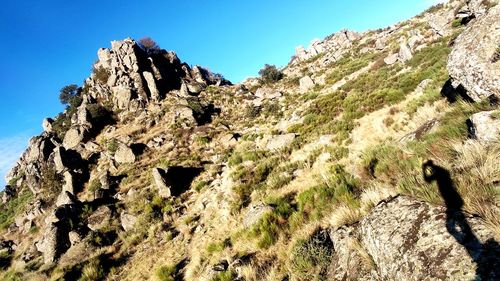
x=48 y=44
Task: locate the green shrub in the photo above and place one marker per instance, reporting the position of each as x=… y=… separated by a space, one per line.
x=70 y=95
x=225 y=276
x=270 y=74
x=93 y=270
x=112 y=146
x=456 y=23
x=101 y=74
x=311 y=257
x=13 y=207
x=166 y=273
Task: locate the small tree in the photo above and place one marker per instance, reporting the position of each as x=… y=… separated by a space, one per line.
x=149 y=45
x=70 y=95
x=270 y=73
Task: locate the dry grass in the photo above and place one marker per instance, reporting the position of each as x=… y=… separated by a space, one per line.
x=344 y=215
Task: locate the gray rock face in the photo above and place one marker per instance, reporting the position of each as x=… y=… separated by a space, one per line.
x=306 y=83
x=391 y=59
x=160 y=183
x=47 y=125
x=55 y=242
x=404 y=54
x=405 y=239
x=100 y=218
x=471 y=63
x=486 y=127
x=74 y=137
x=127 y=221
x=124 y=154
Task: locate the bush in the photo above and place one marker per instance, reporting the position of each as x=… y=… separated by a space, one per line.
x=270 y=74
x=149 y=46
x=70 y=95
x=13 y=207
x=166 y=273
x=310 y=257
x=93 y=271
x=101 y=74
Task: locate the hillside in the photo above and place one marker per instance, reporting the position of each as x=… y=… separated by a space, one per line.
x=371 y=156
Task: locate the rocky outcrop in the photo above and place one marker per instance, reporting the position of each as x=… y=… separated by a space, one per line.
x=127 y=221
x=485 y=126
x=280 y=141
x=470 y=63
x=160 y=183
x=306 y=84
x=406 y=239
x=333 y=47
x=124 y=154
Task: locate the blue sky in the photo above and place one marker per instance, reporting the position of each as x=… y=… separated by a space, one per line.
x=48 y=44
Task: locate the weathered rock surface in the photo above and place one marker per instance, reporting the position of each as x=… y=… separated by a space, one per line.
x=280 y=141
x=160 y=183
x=408 y=239
x=486 y=125
x=127 y=221
x=471 y=62
x=100 y=218
x=124 y=154
x=255 y=213
x=306 y=83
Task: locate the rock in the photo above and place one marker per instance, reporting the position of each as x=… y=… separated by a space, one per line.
x=471 y=64
x=150 y=81
x=404 y=54
x=74 y=237
x=255 y=213
x=65 y=198
x=74 y=137
x=280 y=141
x=380 y=44
x=127 y=221
x=69 y=184
x=160 y=183
x=485 y=126
x=124 y=154
x=47 y=125
x=8 y=193
x=123 y=96
x=391 y=59
x=100 y=218
x=306 y=83
x=267 y=93
x=54 y=243
x=406 y=239
x=421 y=131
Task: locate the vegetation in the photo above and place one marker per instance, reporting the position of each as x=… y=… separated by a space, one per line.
x=70 y=95
x=311 y=256
x=149 y=45
x=270 y=74
x=166 y=273
x=14 y=207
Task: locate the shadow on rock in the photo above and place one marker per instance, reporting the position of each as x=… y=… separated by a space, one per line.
x=487 y=255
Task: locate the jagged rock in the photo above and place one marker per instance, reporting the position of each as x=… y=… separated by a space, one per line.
x=486 y=125
x=380 y=44
x=267 y=93
x=470 y=64
x=74 y=137
x=47 y=125
x=150 y=81
x=255 y=213
x=128 y=221
x=306 y=83
x=65 y=198
x=123 y=96
x=54 y=243
x=391 y=59
x=69 y=184
x=404 y=54
x=280 y=141
x=100 y=218
x=124 y=154
x=406 y=239
x=160 y=183
x=74 y=237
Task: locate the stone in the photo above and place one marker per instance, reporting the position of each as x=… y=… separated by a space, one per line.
x=306 y=84
x=65 y=198
x=74 y=237
x=100 y=218
x=128 y=221
x=69 y=184
x=124 y=154
x=404 y=54
x=123 y=96
x=47 y=125
x=255 y=213
x=59 y=159
x=150 y=81
x=160 y=183
x=485 y=125
x=267 y=93
x=471 y=64
x=391 y=59
x=280 y=141
x=380 y=44
x=420 y=131
x=74 y=137
x=55 y=242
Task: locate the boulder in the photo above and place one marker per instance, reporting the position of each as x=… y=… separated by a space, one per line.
x=406 y=239
x=404 y=54
x=100 y=218
x=306 y=83
x=280 y=141
x=55 y=242
x=74 y=137
x=267 y=93
x=391 y=59
x=123 y=96
x=47 y=125
x=473 y=64
x=124 y=154
x=65 y=198
x=150 y=81
x=127 y=221
x=160 y=183
x=485 y=126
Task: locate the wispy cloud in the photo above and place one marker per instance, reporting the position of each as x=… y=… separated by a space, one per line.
x=11 y=148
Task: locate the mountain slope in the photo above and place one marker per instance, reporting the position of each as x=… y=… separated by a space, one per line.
x=367 y=161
